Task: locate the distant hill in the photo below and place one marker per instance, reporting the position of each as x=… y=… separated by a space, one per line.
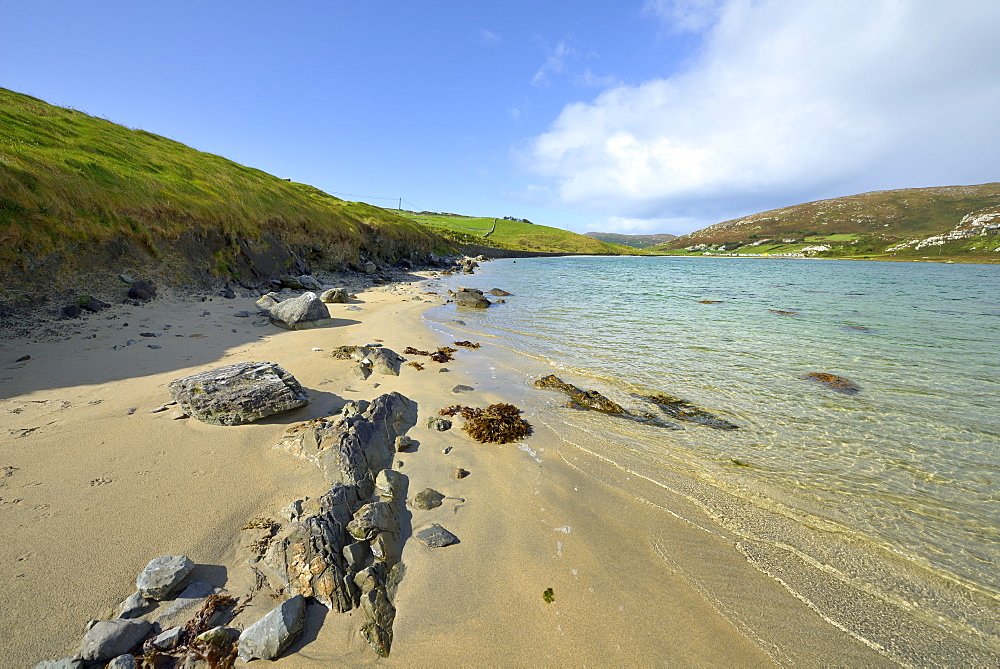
x=635 y=241
x=947 y=222
x=514 y=235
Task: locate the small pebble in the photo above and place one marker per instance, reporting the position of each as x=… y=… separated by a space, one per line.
x=315 y=348
x=178 y=415
x=130 y=342
x=461 y=473
x=153 y=346
x=447 y=450
x=132 y=410
x=23 y=358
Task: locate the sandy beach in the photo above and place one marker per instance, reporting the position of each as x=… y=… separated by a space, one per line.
x=94 y=485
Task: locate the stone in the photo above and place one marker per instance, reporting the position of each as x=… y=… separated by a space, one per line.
x=227 y=293
x=334 y=296
x=369 y=267
x=185 y=604
x=462 y=389
x=390 y=485
x=499 y=292
x=242 y=392
x=427 y=499
x=309 y=282
x=293 y=511
x=461 y=473
x=302 y=312
x=361 y=371
x=72 y=311
x=23 y=358
x=267 y=637
x=371 y=519
x=111 y=638
x=65 y=663
x=385 y=361
x=92 y=304
x=143 y=291
x=833 y=382
x=163 y=576
x=135 y=605
x=219 y=637
x=168 y=639
x=439 y=424
x=403 y=443
x=288 y=281
x=243 y=314
x=124 y=661
x=474 y=299
x=267 y=302
x=435 y=536
x=680 y=409
x=355 y=553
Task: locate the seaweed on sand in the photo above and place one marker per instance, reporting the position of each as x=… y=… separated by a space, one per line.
x=833 y=382
x=467 y=344
x=497 y=423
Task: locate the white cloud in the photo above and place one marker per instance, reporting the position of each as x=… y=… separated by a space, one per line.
x=789 y=100
x=685 y=15
x=555 y=63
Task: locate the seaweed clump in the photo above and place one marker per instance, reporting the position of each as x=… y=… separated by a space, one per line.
x=497 y=423
x=416 y=365
x=580 y=399
x=680 y=409
x=467 y=344
x=443 y=354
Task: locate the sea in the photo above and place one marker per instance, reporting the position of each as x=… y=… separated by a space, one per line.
x=879 y=508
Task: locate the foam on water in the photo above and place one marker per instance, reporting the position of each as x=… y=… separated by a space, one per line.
x=883 y=500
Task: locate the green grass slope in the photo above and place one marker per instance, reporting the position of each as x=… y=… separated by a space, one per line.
x=71 y=182
x=635 y=241
x=514 y=235
x=946 y=223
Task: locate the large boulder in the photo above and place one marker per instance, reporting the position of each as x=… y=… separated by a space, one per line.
x=163 y=576
x=142 y=290
x=110 y=638
x=469 y=297
x=267 y=637
x=299 y=313
x=242 y=392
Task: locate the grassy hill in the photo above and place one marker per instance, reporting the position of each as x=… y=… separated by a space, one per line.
x=953 y=222
x=513 y=234
x=74 y=188
x=635 y=241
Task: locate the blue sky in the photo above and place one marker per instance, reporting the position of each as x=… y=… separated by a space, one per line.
x=644 y=116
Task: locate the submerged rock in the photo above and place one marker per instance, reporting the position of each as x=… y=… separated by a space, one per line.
x=833 y=382
x=468 y=297
x=498 y=292
x=242 y=392
x=680 y=409
x=580 y=399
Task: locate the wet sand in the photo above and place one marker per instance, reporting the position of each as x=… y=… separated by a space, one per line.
x=91 y=492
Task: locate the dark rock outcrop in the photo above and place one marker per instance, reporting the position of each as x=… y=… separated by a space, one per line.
x=680 y=409
x=581 y=399
x=242 y=392
x=143 y=291
x=474 y=299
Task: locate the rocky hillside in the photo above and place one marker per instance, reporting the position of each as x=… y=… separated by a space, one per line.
x=950 y=222
x=635 y=241
x=83 y=199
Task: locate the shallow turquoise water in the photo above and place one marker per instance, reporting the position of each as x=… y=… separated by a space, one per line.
x=891 y=491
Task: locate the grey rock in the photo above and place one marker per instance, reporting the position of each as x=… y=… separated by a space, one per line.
x=135 y=605
x=168 y=639
x=72 y=311
x=462 y=389
x=267 y=637
x=361 y=371
x=435 y=536
x=220 y=637
x=371 y=519
x=354 y=308
x=243 y=314
x=242 y=392
x=111 y=638
x=124 y=661
x=288 y=281
x=142 y=290
x=227 y=293
x=461 y=473
x=182 y=607
x=309 y=282
x=444 y=369
x=334 y=296
x=163 y=576
x=356 y=553
x=390 y=485
x=65 y=663
x=23 y=358
x=369 y=267
x=427 y=499
x=267 y=302
x=385 y=361
x=474 y=299
x=127 y=278
x=403 y=443
x=499 y=292
x=293 y=511
x=439 y=424
x=297 y=313
x=93 y=305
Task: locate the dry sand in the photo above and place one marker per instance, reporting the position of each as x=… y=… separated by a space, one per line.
x=90 y=492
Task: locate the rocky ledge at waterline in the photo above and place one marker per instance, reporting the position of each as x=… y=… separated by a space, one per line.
x=673 y=407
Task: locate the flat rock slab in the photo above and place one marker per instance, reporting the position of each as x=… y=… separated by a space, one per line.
x=163 y=576
x=110 y=638
x=240 y=393
x=435 y=536
x=267 y=637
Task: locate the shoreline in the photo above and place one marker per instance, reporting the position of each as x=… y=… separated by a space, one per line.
x=533 y=515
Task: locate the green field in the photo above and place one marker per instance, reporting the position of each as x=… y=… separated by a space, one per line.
x=514 y=235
